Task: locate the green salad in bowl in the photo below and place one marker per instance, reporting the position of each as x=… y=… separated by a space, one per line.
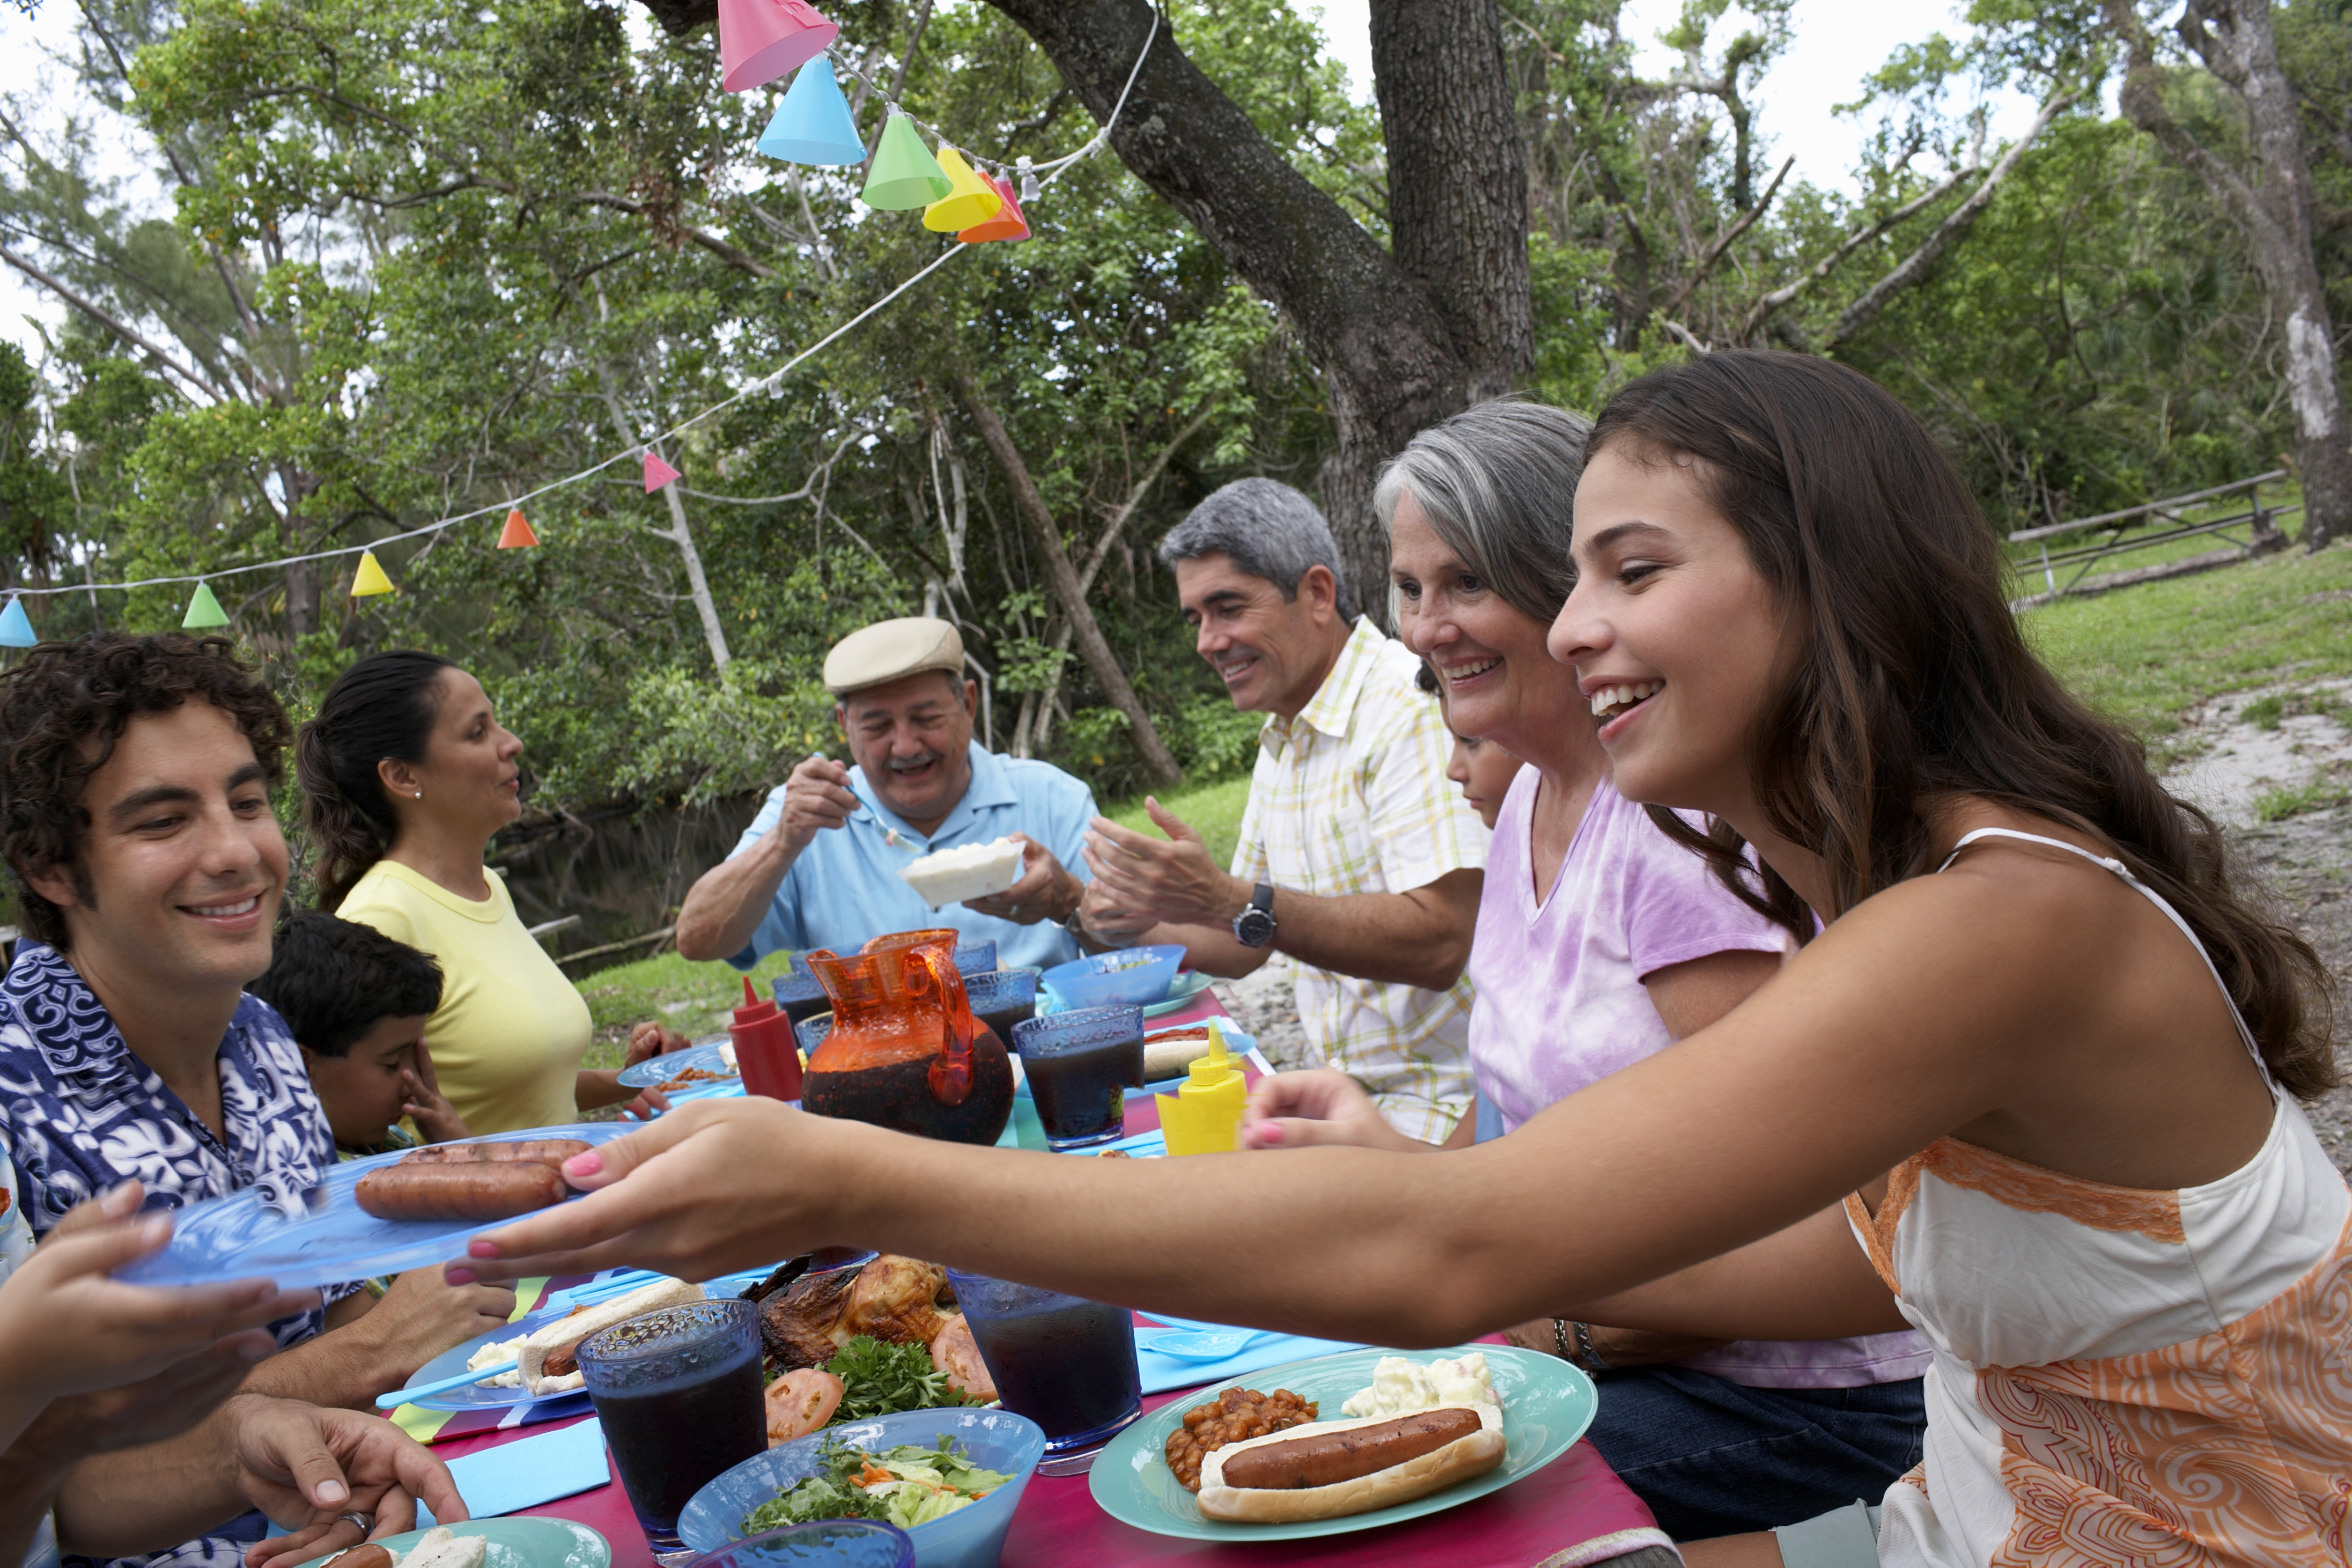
x=905 y=1486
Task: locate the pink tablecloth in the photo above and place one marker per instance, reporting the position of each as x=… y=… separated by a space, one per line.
x=1572 y=1512
x=1575 y=1501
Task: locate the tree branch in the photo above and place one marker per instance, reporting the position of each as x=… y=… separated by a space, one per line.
x=1723 y=243
x=119 y=329
x=1092 y=646
x=1764 y=308
x=1915 y=268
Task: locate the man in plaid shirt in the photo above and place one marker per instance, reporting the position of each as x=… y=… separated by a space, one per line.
x=1356 y=857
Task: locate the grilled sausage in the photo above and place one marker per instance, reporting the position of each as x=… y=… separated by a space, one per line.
x=1329 y=1457
x=523 y=1151
x=483 y=1191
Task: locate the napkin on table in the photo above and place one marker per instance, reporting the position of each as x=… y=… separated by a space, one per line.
x=516 y=1476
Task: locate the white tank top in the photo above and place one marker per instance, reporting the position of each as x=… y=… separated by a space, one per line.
x=2120 y=1375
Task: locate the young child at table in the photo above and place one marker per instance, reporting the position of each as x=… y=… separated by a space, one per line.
x=356 y=1001
x=1482 y=769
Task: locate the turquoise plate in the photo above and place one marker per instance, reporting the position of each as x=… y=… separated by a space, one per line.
x=1547 y=1406
x=519 y=1543
x=1188 y=984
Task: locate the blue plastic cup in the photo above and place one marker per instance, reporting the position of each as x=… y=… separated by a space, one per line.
x=1080 y=1066
x=810 y=1033
x=801 y=994
x=1003 y=998
x=975 y=957
x=678 y=1392
x=824 y=1543
x=1064 y=1361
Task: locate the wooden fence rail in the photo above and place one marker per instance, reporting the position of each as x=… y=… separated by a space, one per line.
x=2262 y=536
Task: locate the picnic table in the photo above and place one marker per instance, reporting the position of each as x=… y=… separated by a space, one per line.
x=1571 y=1513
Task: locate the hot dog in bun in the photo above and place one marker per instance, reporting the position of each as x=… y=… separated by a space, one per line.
x=1325 y=1470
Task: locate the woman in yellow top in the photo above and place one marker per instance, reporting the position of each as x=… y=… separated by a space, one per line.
x=405 y=775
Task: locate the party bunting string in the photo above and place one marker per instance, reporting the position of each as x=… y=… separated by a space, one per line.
x=15 y=629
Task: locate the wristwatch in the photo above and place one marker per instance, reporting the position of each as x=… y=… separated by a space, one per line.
x=1253 y=926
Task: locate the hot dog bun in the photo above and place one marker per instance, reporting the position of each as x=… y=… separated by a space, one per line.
x=558 y=1339
x=1458 y=1460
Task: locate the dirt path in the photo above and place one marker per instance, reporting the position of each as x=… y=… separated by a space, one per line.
x=2308 y=862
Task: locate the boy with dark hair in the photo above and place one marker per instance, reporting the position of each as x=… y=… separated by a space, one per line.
x=135 y=819
x=357 y=1001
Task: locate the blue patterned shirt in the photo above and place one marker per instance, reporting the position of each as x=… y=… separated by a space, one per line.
x=79 y=1114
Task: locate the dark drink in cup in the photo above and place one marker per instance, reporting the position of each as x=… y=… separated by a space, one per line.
x=1067 y=1363
x=1003 y=998
x=1080 y=1066
x=802 y=996
x=678 y=1392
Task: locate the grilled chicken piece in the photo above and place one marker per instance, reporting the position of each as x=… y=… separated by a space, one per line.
x=892 y=1299
x=895 y=1300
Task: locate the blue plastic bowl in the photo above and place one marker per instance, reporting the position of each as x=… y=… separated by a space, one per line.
x=1138 y=977
x=811 y=1031
x=969 y=1538
x=825 y=1543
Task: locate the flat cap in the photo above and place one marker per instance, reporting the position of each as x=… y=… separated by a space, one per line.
x=890 y=650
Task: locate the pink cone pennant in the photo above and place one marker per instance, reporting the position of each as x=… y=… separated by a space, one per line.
x=760 y=40
x=658 y=473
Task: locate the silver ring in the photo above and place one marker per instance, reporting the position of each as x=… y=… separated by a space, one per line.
x=1012 y=910
x=366 y=1521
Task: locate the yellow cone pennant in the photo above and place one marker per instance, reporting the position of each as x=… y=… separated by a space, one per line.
x=370 y=578
x=971 y=200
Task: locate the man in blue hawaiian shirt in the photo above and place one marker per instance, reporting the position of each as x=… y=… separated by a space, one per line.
x=135 y=817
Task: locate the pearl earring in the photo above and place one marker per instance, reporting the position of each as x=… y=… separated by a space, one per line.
x=420 y=794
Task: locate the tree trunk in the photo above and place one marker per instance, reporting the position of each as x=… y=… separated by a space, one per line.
x=1401 y=340
x=2273 y=210
x=1063 y=576
x=680 y=532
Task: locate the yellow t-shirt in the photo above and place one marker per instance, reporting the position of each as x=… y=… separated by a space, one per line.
x=510 y=1033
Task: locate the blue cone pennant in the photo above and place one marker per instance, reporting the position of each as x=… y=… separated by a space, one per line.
x=16 y=626
x=812 y=124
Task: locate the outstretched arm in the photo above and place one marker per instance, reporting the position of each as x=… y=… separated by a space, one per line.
x=1883 y=1035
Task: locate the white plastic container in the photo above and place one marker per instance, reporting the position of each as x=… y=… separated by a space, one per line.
x=968 y=870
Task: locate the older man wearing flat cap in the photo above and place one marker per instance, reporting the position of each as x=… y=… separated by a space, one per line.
x=816 y=867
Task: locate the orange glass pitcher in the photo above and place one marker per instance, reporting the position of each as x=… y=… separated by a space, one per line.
x=904 y=1051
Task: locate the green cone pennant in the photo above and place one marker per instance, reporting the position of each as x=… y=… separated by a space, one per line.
x=904 y=174
x=205 y=611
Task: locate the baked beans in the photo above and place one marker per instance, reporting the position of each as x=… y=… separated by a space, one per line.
x=1235 y=1416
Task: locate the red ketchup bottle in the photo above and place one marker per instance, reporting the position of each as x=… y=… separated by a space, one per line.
x=765 y=1051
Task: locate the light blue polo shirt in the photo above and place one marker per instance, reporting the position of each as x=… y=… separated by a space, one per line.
x=846 y=888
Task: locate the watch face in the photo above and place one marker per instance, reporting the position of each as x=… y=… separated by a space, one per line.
x=1253 y=927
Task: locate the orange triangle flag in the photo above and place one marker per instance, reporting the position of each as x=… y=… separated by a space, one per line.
x=658 y=473
x=517 y=534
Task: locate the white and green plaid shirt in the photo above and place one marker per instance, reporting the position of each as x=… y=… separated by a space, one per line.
x=1351 y=796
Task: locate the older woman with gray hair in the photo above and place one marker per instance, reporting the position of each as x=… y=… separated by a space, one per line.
x=1600 y=942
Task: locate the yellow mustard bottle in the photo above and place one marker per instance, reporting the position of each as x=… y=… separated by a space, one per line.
x=1206 y=1116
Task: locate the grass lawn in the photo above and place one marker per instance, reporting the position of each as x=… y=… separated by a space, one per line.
x=695 y=999
x=2146 y=654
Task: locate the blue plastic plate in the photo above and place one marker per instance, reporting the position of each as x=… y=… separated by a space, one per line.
x=1547 y=1406
x=325 y=1239
x=708 y=1054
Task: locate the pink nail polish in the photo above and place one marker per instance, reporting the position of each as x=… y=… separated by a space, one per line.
x=586 y=1164
x=459 y=1274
